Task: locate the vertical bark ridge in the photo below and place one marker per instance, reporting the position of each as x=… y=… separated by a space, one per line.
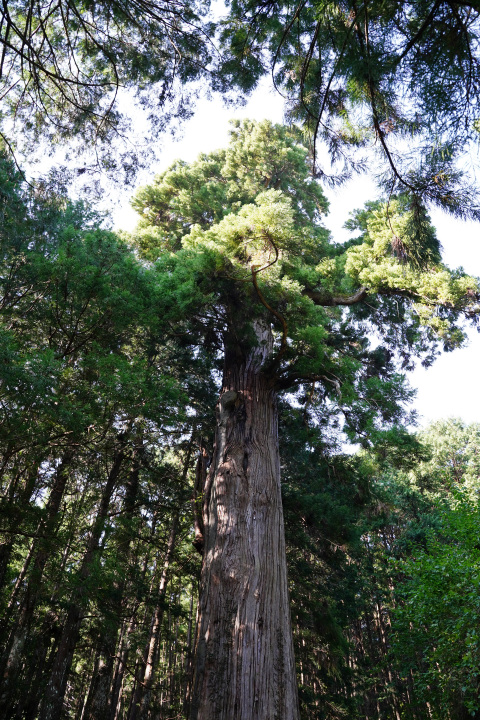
x=245 y=666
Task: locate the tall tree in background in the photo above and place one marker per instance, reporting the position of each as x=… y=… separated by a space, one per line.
x=435 y=619
x=247 y=268
x=413 y=636
x=86 y=392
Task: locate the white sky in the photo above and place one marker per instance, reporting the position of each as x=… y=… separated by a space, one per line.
x=451 y=386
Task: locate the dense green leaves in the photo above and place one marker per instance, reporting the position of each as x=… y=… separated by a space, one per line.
x=436 y=623
x=422 y=548
x=89 y=387
x=396 y=80
x=260 y=157
x=239 y=237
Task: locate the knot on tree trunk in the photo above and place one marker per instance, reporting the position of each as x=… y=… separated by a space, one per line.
x=228 y=400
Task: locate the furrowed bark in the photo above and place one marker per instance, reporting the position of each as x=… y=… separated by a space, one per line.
x=244 y=665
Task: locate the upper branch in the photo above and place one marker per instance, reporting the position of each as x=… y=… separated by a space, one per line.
x=320 y=297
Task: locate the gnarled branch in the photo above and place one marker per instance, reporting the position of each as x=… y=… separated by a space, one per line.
x=326 y=299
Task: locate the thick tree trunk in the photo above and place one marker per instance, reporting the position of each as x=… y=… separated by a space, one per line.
x=244 y=663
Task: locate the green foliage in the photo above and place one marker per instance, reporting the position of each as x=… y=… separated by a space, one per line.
x=418 y=573
x=109 y=374
x=454 y=462
x=393 y=79
x=66 y=67
x=95 y=407
x=260 y=157
x=238 y=237
x=436 y=622
x=399 y=251
x=324 y=497
x=399 y=80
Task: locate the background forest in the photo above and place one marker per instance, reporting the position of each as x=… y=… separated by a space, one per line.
x=113 y=345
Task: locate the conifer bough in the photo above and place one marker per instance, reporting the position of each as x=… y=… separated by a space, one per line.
x=400 y=78
x=64 y=63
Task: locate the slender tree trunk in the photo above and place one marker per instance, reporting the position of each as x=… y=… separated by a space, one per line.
x=14 y=647
x=126 y=634
x=53 y=699
x=143 y=687
x=87 y=699
x=99 y=701
x=143 y=690
x=20 y=578
x=172 y=666
x=122 y=658
x=16 y=515
x=188 y=660
x=44 y=655
x=244 y=663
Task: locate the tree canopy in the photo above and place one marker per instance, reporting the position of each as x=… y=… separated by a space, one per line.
x=243 y=228
x=399 y=79
x=394 y=80
x=69 y=71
